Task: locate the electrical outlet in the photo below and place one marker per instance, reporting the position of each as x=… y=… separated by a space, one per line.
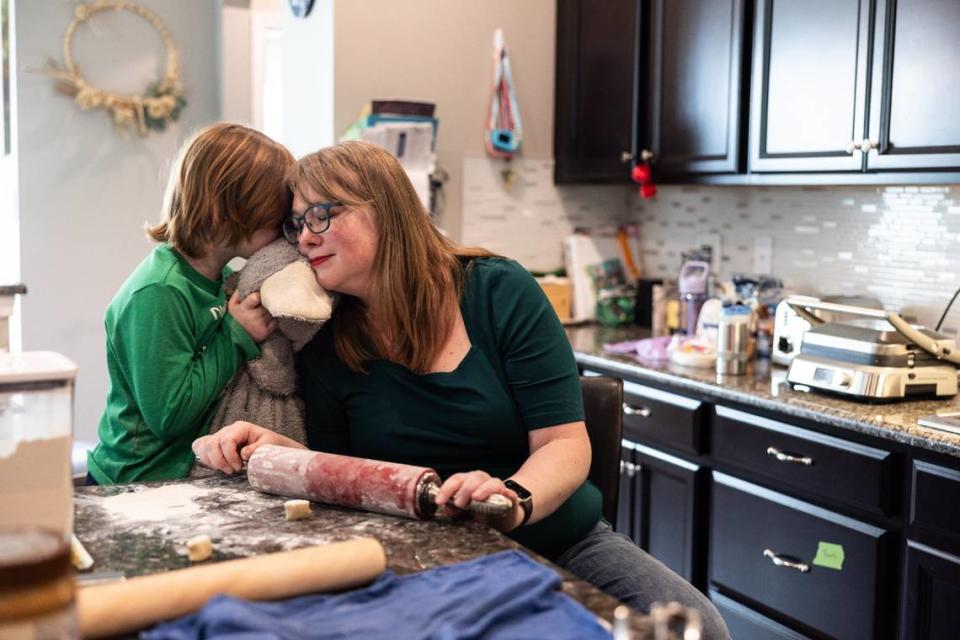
x=762 y=255
x=714 y=241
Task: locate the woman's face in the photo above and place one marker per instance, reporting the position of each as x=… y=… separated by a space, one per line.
x=342 y=256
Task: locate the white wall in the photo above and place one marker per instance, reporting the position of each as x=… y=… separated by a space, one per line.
x=86 y=190
x=308 y=58
x=442 y=51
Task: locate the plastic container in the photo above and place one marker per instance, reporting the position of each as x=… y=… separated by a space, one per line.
x=733 y=340
x=692 y=285
x=37 y=592
x=36 y=424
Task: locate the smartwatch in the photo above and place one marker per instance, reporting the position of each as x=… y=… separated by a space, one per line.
x=525 y=499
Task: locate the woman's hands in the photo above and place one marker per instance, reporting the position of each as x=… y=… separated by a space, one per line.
x=460 y=489
x=229 y=448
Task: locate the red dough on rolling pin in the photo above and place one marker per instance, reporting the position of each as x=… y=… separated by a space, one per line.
x=359 y=483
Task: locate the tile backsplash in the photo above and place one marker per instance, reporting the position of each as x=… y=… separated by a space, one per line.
x=898 y=244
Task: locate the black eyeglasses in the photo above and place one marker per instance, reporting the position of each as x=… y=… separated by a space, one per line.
x=316 y=217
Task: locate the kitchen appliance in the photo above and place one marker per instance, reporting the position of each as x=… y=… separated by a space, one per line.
x=876 y=358
x=789 y=326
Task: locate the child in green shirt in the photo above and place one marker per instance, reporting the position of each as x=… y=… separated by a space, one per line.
x=173 y=339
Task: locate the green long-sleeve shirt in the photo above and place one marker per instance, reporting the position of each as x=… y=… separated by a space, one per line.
x=171 y=349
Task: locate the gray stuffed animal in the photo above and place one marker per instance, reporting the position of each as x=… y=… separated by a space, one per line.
x=263 y=391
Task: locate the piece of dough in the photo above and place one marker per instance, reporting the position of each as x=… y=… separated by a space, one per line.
x=296 y=509
x=200 y=548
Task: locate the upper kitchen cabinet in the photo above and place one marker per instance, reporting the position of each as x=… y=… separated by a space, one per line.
x=596 y=81
x=809 y=87
x=915 y=86
x=694 y=89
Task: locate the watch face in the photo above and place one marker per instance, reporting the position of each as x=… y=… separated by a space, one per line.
x=301 y=8
x=522 y=493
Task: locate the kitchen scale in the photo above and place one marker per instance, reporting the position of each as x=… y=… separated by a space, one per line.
x=878 y=357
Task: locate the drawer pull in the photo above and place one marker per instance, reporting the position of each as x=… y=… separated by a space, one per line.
x=630 y=410
x=629 y=468
x=786 y=457
x=802 y=567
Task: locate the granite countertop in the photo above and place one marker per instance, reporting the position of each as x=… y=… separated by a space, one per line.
x=140 y=529
x=765 y=386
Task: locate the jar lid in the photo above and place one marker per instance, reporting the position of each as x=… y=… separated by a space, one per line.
x=31 y=556
x=35 y=366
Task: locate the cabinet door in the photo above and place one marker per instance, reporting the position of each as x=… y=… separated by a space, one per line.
x=694 y=89
x=808 y=95
x=915 y=86
x=595 y=90
x=931 y=594
x=666 y=523
x=625 y=500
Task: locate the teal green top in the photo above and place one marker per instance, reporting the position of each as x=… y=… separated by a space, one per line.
x=171 y=350
x=519 y=375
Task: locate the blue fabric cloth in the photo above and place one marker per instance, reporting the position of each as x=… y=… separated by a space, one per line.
x=504 y=596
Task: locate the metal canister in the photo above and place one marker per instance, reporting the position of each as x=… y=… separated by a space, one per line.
x=733 y=335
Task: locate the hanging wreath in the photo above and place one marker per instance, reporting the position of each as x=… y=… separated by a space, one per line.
x=163 y=100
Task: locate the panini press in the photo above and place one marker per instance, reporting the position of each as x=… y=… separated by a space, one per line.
x=879 y=358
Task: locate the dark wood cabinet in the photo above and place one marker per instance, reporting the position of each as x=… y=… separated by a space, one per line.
x=665 y=511
x=809 y=85
x=915 y=86
x=659 y=508
x=931 y=594
x=596 y=84
x=769 y=548
x=693 y=111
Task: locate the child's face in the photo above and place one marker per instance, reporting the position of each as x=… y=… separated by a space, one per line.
x=342 y=257
x=260 y=239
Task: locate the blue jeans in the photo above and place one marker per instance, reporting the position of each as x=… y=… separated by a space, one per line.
x=614 y=564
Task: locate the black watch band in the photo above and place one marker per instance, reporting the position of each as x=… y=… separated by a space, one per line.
x=525 y=499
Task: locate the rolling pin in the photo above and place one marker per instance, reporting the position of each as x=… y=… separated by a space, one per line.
x=360 y=483
x=123 y=607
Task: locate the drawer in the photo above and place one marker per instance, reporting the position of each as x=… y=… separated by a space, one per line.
x=935 y=502
x=744 y=622
x=660 y=417
x=764 y=546
x=845 y=471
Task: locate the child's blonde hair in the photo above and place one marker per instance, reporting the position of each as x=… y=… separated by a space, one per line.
x=228 y=182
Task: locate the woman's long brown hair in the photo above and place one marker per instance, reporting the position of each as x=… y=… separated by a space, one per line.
x=417 y=272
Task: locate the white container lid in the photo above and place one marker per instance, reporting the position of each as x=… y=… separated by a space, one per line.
x=35 y=366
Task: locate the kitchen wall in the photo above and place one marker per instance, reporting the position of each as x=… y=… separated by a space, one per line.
x=898 y=244
x=86 y=190
x=442 y=51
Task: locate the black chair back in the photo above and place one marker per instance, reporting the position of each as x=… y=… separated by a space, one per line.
x=603 y=411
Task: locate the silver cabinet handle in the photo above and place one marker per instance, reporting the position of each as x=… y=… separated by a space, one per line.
x=630 y=468
x=786 y=457
x=642 y=411
x=853 y=145
x=868 y=144
x=802 y=567
x=625 y=157
x=646 y=155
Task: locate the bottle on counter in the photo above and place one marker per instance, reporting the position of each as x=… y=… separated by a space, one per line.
x=733 y=340
x=692 y=284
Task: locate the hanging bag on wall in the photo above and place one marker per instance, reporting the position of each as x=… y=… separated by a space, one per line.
x=504 y=132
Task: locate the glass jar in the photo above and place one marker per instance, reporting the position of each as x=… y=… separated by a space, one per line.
x=37 y=591
x=36 y=423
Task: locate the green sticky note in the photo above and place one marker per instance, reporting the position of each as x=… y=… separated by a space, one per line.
x=829 y=555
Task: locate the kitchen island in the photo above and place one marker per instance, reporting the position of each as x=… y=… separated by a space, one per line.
x=139 y=529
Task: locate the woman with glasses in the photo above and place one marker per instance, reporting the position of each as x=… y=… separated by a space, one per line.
x=173 y=339
x=448 y=357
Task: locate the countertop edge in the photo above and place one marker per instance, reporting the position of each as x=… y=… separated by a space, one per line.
x=717 y=392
